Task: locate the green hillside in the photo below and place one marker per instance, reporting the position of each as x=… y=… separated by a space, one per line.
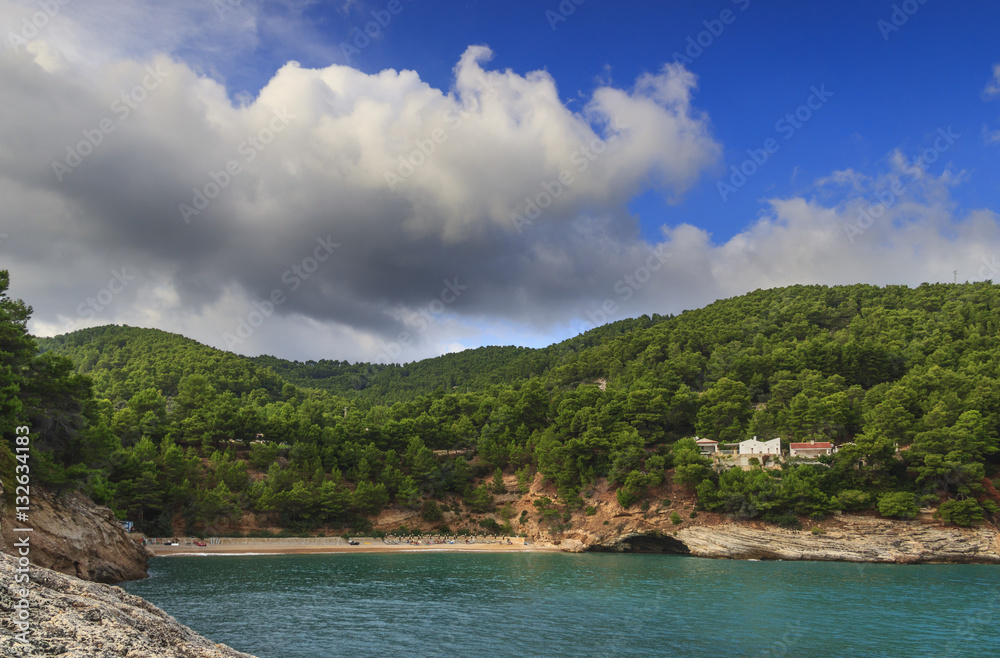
x=474 y=369
x=907 y=381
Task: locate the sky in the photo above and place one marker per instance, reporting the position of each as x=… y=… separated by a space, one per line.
x=392 y=180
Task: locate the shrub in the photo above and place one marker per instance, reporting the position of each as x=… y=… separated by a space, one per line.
x=523 y=480
x=645 y=506
x=854 y=499
x=490 y=525
x=626 y=497
x=675 y=518
x=899 y=504
x=431 y=512
x=818 y=531
x=929 y=499
x=784 y=520
x=961 y=512
x=480 y=499
x=498 y=486
x=991 y=506
x=693 y=514
x=591 y=510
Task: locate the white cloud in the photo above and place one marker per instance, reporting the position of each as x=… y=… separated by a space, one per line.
x=993 y=87
x=418 y=187
x=308 y=160
x=992 y=90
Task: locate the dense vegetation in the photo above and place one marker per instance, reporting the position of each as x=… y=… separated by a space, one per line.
x=907 y=380
x=373 y=383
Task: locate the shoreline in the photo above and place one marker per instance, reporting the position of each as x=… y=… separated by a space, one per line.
x=285 y=546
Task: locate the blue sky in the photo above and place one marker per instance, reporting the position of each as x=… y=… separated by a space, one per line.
x=893 y=86
x=903 y=129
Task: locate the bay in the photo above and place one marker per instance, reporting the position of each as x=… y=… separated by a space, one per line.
x=554 y=604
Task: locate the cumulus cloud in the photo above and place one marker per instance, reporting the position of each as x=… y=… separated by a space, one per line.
x=899 y=227
x=348 y=215
x=149 y=166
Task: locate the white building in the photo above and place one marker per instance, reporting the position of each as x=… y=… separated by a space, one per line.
x=707 y=446
x=755 y=447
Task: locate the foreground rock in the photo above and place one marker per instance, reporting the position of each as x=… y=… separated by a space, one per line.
x=73 y=617
x=850 y=539
x=75 y=536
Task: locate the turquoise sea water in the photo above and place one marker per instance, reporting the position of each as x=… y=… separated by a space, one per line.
x=552 y=604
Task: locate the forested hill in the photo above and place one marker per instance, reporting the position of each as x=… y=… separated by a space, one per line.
x=123 y=361
x=474 y=369
x=907 y=381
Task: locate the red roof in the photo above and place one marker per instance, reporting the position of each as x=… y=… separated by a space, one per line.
x=805 y=446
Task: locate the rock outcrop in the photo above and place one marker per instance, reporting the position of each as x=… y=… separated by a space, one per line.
x=75 y=536
x=73 y=617
x=849 y=539
x=859 y=539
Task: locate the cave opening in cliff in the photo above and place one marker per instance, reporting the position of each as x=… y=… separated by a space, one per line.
x=651 y=543
x=658 y=544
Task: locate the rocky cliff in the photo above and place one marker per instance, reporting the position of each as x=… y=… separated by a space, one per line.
x=75 y=536
x=847 y=538
x=73 y=617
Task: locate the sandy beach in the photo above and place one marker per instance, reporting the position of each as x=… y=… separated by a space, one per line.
x=280 y=546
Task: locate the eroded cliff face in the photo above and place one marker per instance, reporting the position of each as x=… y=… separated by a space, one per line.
x=75 y=536
x=847 y=539
x=73 y=617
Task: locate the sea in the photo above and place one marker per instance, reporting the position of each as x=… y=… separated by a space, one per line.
x=591 y=604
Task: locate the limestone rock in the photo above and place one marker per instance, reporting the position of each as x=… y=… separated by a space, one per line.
x=861 y=539
x=75 y=536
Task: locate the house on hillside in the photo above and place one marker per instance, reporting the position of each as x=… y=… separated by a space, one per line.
x=812 y=449
x=765 y=453
x=755 y=447
x=707 y=446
